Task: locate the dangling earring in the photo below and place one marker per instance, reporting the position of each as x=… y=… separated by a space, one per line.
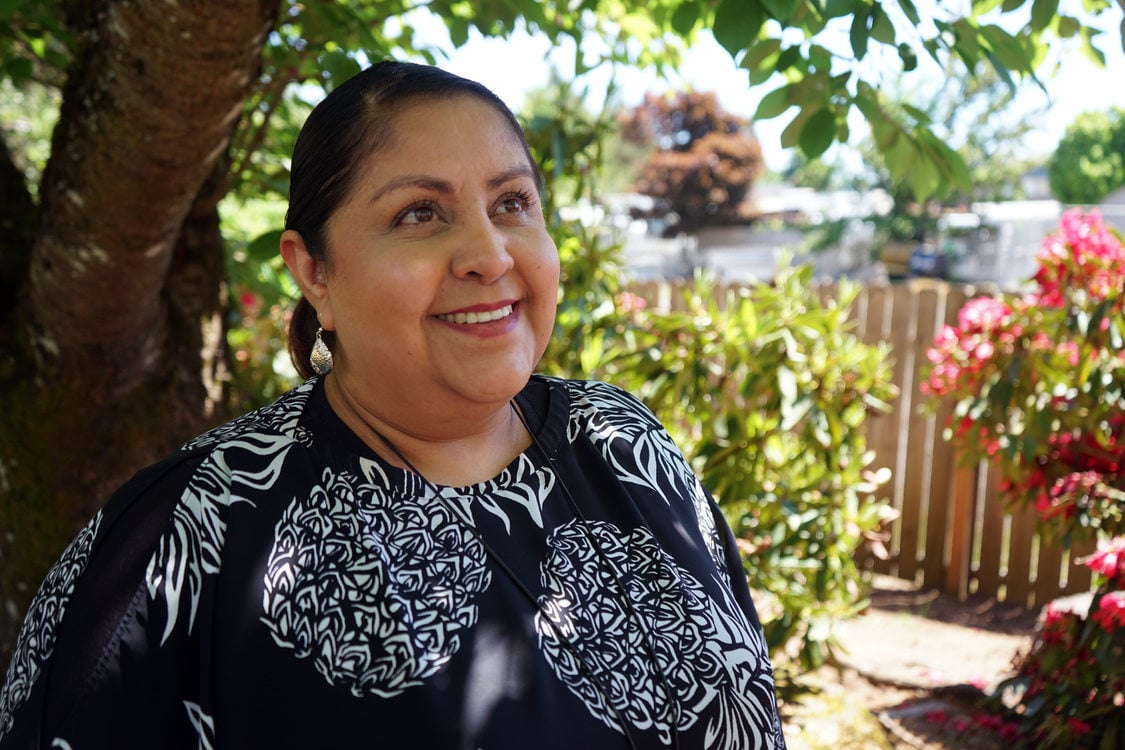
x=321 y=356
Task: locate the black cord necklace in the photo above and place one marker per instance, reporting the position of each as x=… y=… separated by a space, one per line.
x=568 y=643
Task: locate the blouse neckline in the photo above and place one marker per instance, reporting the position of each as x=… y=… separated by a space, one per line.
x=544 y=402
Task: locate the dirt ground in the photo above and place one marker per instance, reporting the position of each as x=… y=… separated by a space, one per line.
x=919 y=662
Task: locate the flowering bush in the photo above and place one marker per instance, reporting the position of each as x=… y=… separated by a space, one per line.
x=1037 y=380
x=1037 y=383
x=1073 y=678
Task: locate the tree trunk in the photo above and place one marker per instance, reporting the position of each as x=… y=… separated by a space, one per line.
x=114 y=353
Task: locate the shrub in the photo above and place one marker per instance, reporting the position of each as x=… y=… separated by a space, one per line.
x=1038 y=385
x=767 y=395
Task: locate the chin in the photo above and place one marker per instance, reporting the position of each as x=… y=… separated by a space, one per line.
x=499 y=390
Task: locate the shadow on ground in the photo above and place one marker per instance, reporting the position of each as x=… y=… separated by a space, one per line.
x=914 y=670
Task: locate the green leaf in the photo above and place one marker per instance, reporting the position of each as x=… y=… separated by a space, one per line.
x=340 y=67
x=858 y=35
x=1042 y=11
x=1092 y=53
x=917 y=114
x=736 y=25
x=8 y=8
x=839 y=8
x=820 y=58
x=19 y=69
x=774 y=103
x=264 y=247
x=882 y=30
x=760 y=51
x=782 y=10
x=1068 y=26
x=900 y=155
x=911 y=11
x=925 y=177
x=982 y=7
x=1007 y=48
x=908 y=56
x=685 y=17
x=788 y=58
x=818 y=133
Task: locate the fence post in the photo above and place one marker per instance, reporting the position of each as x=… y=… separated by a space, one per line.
x=962 y=491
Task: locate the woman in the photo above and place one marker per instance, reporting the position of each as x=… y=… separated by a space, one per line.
x=425 y=545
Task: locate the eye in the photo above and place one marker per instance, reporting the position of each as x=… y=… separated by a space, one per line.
x=417 y=213
x=514 y=203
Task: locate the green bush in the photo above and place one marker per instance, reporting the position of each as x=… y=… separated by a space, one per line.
x=1089 y=162
x=767 y=395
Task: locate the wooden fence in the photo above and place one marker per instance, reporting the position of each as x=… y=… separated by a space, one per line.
x=953 y=532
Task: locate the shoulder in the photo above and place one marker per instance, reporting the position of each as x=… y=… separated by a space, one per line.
x=203 y=468
x=282 y=418
x=605 y=401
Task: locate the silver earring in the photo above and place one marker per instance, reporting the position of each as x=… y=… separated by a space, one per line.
x=321 y=356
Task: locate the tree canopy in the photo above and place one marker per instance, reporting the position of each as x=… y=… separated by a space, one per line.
x=702 y=163
x=1089 y=162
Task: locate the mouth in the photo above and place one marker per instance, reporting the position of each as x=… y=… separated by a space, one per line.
x=490 y=316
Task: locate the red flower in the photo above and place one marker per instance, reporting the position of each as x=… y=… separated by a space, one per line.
x=1109 y=560
x=1111 y=612
x=1077 y=726
x=1010 y=731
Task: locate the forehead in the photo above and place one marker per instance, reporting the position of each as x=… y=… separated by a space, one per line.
x=455 y=130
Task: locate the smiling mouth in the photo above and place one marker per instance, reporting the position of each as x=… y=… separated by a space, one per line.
x=477 y=317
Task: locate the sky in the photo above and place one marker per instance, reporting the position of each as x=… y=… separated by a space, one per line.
x=513 y=67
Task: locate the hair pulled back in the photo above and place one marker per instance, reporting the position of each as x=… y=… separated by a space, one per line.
x=347 y=126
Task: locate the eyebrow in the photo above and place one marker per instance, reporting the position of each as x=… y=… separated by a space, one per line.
x=446 y=187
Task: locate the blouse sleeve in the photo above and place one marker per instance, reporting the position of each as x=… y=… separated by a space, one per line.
x=89 y=667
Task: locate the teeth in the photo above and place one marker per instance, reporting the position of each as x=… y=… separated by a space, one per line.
x=478 y=317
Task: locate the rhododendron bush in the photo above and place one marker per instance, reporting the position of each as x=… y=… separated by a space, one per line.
x=1037 y=382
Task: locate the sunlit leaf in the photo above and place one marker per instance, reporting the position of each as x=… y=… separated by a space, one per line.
x=774 y=103
x=1042 y=12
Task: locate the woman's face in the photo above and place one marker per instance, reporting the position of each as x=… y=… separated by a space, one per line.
x=442 y=282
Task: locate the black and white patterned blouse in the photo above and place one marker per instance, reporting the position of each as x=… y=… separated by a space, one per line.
x=275 y=584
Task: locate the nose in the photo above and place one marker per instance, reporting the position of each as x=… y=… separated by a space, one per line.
x=482 y=252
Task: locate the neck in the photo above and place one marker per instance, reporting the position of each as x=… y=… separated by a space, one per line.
x=459 y=452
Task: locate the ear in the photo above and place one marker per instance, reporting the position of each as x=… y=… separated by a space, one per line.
x=310 y=275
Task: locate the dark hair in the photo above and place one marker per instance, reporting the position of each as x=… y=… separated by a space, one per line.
x=348 y=125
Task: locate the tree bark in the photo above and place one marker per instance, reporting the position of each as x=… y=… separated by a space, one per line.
x=118 y=348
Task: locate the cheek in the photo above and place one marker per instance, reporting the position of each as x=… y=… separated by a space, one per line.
x=548 y=268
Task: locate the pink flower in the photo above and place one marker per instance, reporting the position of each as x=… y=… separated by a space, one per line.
x=1109 y=560
x=937 y=717
x=1111 y=611
x=983 y=314
x=630 y=302
x=1053 y=617
x=1084 y=254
